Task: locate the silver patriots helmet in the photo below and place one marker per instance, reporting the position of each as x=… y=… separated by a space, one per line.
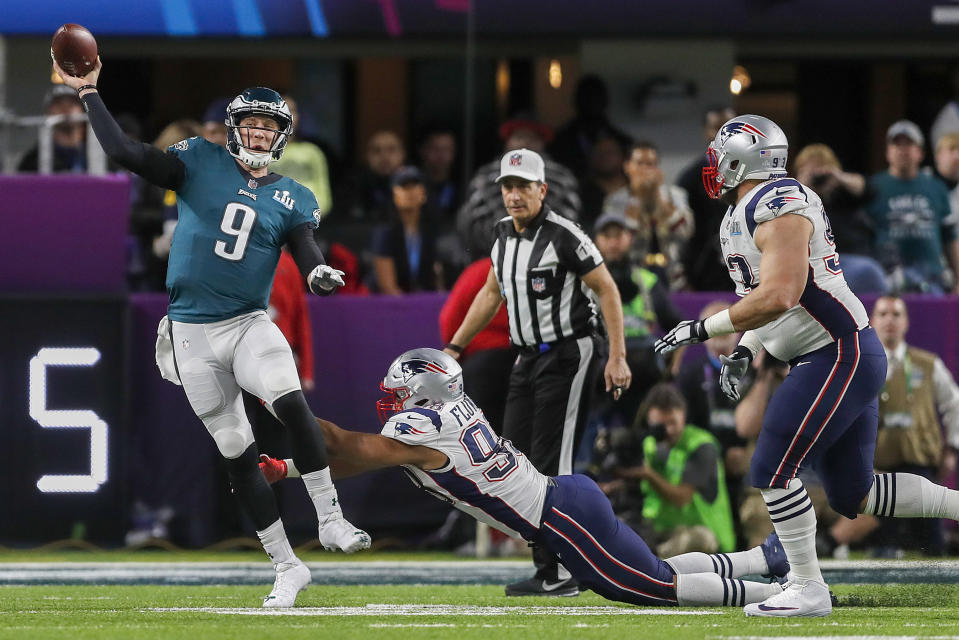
x=420 y=378
x=745 y=148
x=258 y=101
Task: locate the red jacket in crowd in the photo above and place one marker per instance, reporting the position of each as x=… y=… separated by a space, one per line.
x=288 y=310
x=496 y=333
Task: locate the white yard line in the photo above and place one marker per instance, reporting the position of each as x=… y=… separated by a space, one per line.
x=437 y=610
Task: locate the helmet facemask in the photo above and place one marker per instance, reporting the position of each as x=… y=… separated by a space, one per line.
x=263 y=103
x=392 y=402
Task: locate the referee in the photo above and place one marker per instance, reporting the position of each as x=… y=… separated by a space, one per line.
x=541 y=262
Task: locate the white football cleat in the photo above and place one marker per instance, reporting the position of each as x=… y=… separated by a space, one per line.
x=291 y=578
x=337 y=534
x=809 y=599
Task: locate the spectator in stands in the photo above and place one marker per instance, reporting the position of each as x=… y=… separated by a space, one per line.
x=947 y=120
x=214 y=121
x=844 y=197
x=703 y=259
x=919 y=401
x=483 y=204
x=306 y=163
x=69 y=138
x=573 y=145
x=647 y=310
x=661 y=212
x=370 y=192
x=604 y=176
x=682 y=479
x=911 y=214
x=946 y=168
x=404 y=249
x=437 y=153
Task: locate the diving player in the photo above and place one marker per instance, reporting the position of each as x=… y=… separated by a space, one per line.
x=781 y=253
x=234 y=215
x=442 y=440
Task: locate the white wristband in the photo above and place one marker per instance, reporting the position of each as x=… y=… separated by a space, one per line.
x=719 y=324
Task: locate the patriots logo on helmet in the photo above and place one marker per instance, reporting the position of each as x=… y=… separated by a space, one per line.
x=412 y=367
x=732 y=128
x=515 y=160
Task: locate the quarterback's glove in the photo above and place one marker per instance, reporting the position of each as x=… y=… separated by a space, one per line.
x=686 y=332
x=734 y=368
x=325 y=278
x=272 y=469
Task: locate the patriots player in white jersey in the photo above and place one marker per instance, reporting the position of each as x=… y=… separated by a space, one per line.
x=445 y=445
x=781 y=253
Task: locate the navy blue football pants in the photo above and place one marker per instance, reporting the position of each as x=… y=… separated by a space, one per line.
x=825 y=416
x=599 y=549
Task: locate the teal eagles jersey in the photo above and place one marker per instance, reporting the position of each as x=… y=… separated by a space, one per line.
x=228 y=238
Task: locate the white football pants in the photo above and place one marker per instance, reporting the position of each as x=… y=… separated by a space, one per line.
x=216 y=360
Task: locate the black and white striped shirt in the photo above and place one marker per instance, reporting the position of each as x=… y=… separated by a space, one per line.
x=538 y=271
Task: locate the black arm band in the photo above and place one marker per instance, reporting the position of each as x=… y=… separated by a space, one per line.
x=86 y=86
x=162 y=169
x=306 y=254
x=453 y=347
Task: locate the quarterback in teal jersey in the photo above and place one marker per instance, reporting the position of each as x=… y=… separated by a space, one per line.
x=234 y=216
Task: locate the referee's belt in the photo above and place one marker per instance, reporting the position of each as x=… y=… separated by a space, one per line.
x=543 y=347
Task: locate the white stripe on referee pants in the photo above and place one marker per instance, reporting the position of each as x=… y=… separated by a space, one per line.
x=576 y=393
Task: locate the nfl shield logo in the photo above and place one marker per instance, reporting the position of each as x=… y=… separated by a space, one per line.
x=539 y=285
x=515 y=160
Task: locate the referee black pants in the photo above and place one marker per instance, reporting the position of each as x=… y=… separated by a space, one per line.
x=546 y=411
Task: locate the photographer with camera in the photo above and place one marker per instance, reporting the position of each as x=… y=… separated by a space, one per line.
x=844 y=195
x=682 y=480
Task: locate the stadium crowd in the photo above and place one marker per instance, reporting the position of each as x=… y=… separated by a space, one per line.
x=673 y=453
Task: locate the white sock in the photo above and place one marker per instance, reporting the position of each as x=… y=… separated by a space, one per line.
x=699 y=589
x=906 y=495
x=795 y=522
x=322 y=493
x=727 y=565
x=275 y=543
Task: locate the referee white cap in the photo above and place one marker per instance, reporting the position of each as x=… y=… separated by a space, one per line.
x=524 y=164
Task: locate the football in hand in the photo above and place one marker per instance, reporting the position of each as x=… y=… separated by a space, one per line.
x=74 y=49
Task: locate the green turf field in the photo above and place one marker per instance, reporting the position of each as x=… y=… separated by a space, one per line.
x=429 y=611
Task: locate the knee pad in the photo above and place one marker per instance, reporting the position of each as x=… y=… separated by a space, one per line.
x=231 y=433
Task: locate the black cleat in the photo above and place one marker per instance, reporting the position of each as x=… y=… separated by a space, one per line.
x=544 y=587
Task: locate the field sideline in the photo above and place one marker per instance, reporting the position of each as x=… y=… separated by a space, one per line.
x=335 y=606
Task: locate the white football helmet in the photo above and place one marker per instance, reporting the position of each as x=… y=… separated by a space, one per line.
x=420 y=378
x=258 y=101
x=745 y=148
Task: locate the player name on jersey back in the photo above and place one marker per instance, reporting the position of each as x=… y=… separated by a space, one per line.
x=486 y=477
x=827 y=309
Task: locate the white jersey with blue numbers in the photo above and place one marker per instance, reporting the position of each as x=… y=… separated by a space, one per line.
x=827 y=309
x=485 y=476
x=229 y=233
